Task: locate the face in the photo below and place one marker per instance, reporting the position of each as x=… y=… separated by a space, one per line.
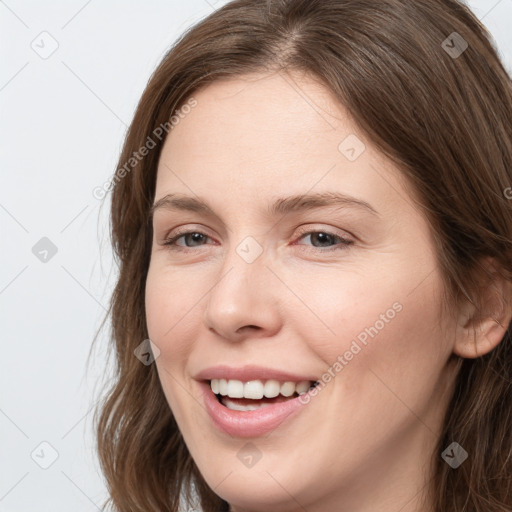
x=342 y=288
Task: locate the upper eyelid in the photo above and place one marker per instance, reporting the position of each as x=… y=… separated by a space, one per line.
x=303 y=230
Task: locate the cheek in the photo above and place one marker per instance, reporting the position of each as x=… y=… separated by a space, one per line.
x=336 y=310
x=170 y=313
x=167 y=323
x=380 y=323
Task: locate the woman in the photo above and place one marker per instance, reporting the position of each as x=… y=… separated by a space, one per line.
x=314 y=232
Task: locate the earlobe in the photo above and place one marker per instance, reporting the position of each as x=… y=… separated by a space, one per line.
x=479 y=332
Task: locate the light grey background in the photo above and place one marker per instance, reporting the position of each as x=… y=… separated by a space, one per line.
x=63 y=119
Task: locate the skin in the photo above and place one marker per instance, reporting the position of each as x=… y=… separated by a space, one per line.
x=364 y=442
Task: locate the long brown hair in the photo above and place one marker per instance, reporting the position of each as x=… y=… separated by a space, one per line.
x=438 y=108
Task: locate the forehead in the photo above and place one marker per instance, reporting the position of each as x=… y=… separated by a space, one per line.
x=272 y=135
x=262 y=117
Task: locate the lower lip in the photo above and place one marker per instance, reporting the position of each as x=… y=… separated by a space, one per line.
x=248 y=423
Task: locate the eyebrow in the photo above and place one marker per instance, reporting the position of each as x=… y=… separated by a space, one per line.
x=280 y=206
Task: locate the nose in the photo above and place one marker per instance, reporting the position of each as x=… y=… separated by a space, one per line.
x=244 y=300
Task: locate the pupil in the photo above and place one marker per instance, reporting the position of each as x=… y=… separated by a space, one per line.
x=195 y=237
x=326 y=237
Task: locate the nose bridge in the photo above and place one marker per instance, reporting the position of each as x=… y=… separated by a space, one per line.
x=244 y=264
x=241 y=296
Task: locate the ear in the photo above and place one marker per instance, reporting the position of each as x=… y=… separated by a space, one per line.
x=480 y=331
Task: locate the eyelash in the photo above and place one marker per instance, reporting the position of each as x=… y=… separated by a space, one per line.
x=343 y=241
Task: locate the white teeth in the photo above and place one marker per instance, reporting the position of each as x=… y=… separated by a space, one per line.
x=237 y=407
x=302 y=387
x=253 y=389
x=257 y=389
x=272 y=388
x=235 y=389
x=223 y=387
x=288 y=388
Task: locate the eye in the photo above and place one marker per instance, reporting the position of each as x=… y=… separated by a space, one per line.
x=186 y=235
x=325 y=239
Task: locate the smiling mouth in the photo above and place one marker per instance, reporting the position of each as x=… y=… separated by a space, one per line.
x=237 y=395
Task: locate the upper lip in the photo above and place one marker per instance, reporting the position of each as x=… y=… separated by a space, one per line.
x=250 y=372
